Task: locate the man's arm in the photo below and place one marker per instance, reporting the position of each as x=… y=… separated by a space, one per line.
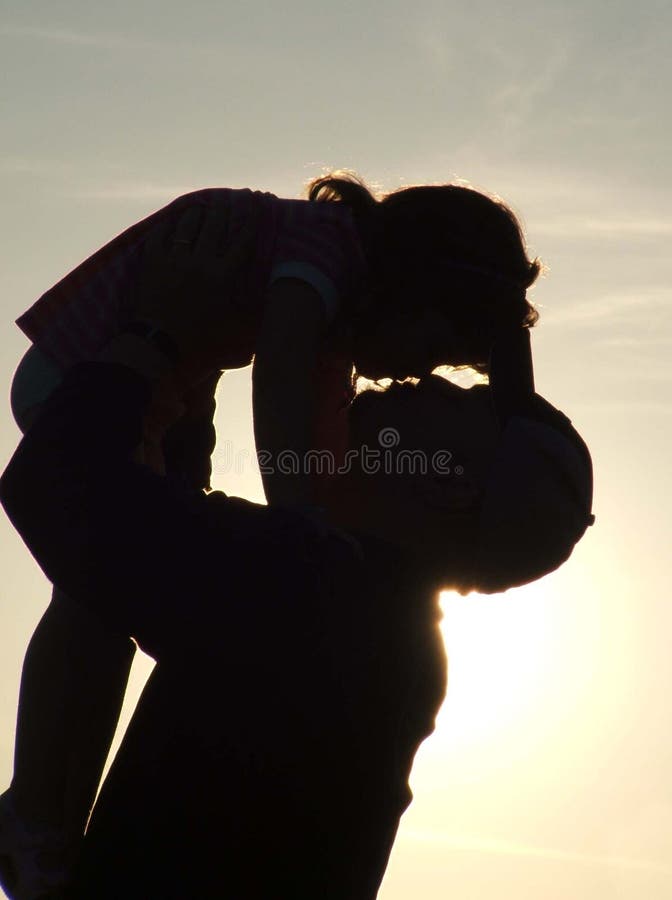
x=136 y=548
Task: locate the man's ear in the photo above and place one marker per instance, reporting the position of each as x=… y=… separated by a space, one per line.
x=455 y=492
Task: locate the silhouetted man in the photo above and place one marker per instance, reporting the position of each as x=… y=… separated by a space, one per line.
x=298 y=671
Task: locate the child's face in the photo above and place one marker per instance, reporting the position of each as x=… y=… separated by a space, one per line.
x=408 y=344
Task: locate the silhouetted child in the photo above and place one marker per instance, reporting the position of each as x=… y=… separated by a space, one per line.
x=398 y=286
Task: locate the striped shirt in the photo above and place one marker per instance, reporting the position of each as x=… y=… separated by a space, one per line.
x=316 y=242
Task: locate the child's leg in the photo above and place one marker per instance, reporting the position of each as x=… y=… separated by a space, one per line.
x=72 y=687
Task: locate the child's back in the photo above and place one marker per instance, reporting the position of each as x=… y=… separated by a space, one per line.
x=314 y=242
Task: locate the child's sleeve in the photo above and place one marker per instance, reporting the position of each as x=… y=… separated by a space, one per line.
x=319 y=244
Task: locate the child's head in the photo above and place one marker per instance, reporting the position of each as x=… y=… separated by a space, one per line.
x=448 y=264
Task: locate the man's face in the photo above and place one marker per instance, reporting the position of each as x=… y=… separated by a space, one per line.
x=420 y=459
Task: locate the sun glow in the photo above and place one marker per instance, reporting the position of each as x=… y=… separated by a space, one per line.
x=499 y=649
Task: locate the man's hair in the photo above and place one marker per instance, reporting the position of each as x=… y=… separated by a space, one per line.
x=535 y=502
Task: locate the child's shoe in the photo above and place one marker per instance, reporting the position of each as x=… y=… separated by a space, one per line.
x=33 y=863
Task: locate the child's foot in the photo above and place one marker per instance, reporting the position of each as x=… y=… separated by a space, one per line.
x=34 y=863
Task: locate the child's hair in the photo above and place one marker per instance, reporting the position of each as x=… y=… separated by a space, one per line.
x=446 y=246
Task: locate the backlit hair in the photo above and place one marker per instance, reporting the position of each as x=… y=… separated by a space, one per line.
x=447 y=246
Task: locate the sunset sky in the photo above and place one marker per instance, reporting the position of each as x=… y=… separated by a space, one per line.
x=550 y=774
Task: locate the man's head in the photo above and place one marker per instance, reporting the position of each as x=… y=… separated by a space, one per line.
x=477 y=507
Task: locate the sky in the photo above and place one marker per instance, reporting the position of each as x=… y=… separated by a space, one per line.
x=550 y=772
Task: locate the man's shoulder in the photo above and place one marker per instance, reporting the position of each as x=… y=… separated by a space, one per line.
x=289 y=547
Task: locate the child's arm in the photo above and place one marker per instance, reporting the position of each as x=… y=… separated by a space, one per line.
x=283 y=388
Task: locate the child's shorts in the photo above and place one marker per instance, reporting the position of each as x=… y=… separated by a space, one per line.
x=34 y=380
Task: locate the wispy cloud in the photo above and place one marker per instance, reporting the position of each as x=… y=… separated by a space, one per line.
x=77 y=38
x=612 y=306
x=582 y=226
x=649 y=408
x=519 y=96
x=631 y=342
x=35 y=167
x=507 y=848
x=99 y=183
x=140 y=190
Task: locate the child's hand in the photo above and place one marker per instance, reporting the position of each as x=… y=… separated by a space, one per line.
x=189 y=270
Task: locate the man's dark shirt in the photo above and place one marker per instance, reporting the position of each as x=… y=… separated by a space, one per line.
x=271 y=751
